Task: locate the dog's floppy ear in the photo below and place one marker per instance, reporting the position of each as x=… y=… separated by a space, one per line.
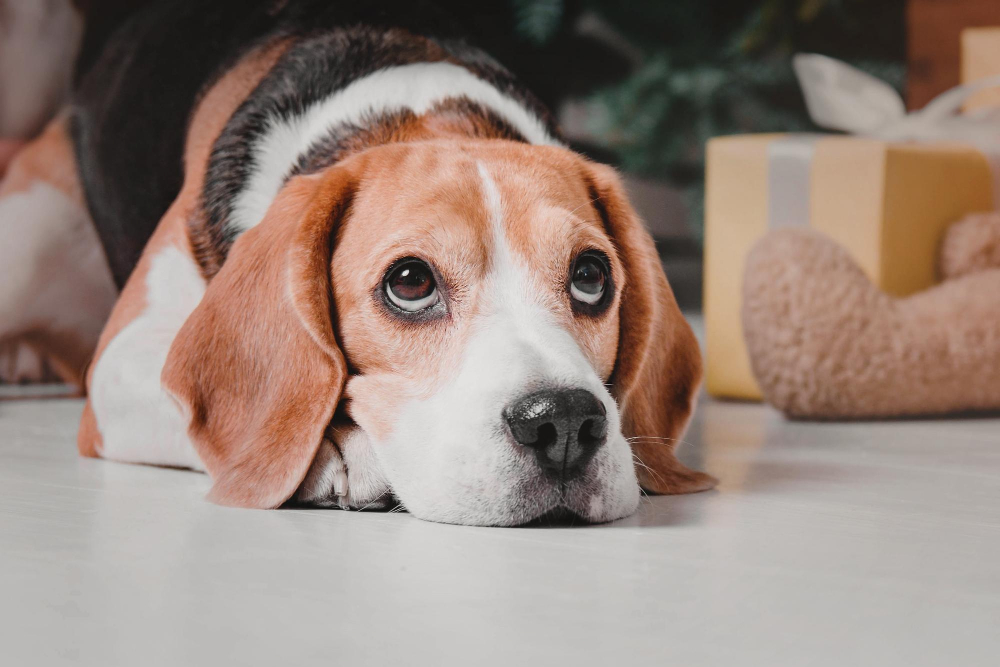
x=256 y=366
x=658 y=368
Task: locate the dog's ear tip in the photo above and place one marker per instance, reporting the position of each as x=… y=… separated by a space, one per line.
x=220 y=496
x=677 y=480
x=707 y=482
x=228 y=493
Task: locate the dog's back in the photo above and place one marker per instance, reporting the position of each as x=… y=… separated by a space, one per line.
x=134 y=102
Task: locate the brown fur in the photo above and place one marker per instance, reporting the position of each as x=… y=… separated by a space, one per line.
x=256 y=365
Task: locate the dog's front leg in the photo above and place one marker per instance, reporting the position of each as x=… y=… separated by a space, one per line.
x=345 y=474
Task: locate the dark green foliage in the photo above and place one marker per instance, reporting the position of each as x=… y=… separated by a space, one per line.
x=711 y=67
x=538 y=20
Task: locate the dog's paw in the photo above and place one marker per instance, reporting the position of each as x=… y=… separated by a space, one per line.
x=345 y=474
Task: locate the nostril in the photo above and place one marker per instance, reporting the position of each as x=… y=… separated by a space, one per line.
x=547 y=435
x=593 y=431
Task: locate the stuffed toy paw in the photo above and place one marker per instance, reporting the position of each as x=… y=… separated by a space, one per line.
x=971 y=245
x=825 y=343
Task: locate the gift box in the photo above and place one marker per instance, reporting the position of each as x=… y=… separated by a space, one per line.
x=886 y=194
x=888 y=203
x=980 y=60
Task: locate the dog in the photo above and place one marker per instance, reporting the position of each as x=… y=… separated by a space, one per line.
x=38 y=43
x=357 y=267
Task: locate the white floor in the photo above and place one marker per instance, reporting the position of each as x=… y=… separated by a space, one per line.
x=852 y=544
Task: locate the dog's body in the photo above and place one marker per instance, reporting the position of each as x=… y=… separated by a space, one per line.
x=265 y=179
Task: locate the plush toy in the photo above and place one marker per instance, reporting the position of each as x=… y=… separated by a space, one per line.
x=825 y=343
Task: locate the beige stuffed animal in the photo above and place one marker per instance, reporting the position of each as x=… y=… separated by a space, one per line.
x=825 y=343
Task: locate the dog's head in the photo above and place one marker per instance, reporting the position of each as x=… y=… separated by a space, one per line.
x=490 y=317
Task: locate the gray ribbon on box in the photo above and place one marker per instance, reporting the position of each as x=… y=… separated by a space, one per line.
x=789 y=161
x=841 y=97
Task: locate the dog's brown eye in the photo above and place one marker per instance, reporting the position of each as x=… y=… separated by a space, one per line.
x=410 y=285
x=588 y=282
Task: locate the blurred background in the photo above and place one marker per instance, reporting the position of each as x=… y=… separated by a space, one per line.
x=641 y=84
x=644 y=84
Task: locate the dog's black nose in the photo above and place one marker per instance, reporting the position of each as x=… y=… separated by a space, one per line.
x=564 y=427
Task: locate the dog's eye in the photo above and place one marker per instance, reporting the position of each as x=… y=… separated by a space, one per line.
x=589 y=278
x=410 y=285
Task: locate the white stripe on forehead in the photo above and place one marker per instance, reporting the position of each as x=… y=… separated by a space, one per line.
x=504 y=261
x=509 y=278
x=494 y=208
x=417 y=87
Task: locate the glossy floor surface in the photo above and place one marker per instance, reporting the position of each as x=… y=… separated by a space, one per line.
x=850 y=544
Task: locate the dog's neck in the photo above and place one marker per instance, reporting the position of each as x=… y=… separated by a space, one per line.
x=303 y=118
x=396 y=103
x=454 y=118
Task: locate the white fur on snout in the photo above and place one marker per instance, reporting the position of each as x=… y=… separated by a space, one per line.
x=451 y=457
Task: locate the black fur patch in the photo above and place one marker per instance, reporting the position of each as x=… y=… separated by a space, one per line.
x=130 y=111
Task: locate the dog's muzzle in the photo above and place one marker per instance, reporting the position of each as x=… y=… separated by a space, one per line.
x=563 y=427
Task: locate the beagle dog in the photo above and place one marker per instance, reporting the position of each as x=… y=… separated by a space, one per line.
x=357 y=267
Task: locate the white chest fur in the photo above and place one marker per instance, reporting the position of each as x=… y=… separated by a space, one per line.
x=138 y=421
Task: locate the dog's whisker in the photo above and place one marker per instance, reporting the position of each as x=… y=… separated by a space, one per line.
x=655 y=439
x=637 y=461
x=640 y=462
x=373 y=501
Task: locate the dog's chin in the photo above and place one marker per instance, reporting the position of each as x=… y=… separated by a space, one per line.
x=545 y=505
x=557 y=517
x=515 y=491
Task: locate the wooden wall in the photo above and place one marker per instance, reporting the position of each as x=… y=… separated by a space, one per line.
x=933 y=29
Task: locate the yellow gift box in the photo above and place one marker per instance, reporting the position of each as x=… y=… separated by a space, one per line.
x=980 y=60
x=887 y=203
